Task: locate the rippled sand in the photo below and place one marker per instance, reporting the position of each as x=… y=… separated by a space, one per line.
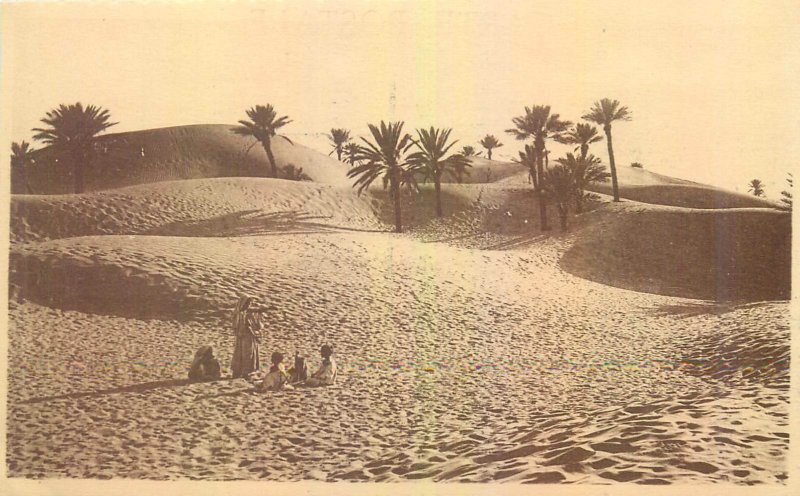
x=456 y=364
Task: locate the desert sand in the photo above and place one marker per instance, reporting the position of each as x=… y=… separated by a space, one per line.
x=470 y=348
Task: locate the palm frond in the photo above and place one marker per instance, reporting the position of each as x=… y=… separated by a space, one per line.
x=538 y=123
x=262 y=124
x=606 y=111
x=383 y=156
x=432 y=160
x=21 y=154
x=73 y=126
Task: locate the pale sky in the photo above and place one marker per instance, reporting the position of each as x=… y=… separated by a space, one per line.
x=711 y=84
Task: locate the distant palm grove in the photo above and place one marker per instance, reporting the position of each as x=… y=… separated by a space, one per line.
x=400 y=159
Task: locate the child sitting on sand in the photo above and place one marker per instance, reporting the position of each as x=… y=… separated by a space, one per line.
x=277 y=378
x=326 y=375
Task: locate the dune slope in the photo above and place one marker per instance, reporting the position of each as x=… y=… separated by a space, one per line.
x=722 y=254
x=484 y=170
x=212 y=206
x=455 y=365
x=182 y=152
x=649 y=187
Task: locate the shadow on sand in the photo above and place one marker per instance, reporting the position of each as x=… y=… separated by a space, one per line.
x=687 y=310
x=518 y=242
x=252 y=223
x=134 y=388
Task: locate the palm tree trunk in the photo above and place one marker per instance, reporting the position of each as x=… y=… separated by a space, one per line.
x=24 y=179
x=579 y=201
x=562 y=215
x=394 y=185
x=437 y=183
x=489 y=152
x=77 y=170
x=540 y=193
x=398 y=221
x=584 y=151
x=614 y=185
x=339 y=153
x=268 y=149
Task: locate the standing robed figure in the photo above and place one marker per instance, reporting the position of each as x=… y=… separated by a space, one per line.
x=247 y=334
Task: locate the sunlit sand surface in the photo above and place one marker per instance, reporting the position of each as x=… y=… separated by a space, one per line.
x=471 y=348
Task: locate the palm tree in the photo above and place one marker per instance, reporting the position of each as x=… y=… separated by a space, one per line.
x=604 y=113
x=558 y=183
x=385 y=158
x=263 y=125
x=527 y=158
x=584 y=170
x=582 y=135
x=490 y=142
x=469 y=151
x=72 y=130
x=351 y=152
x=756 y=187
x=21 y=159
x=538 y=123
x=338 y=138
x=786 y=195
x=432 y=161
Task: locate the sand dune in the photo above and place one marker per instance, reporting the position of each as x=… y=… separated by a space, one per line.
x=484 y=170
x=722 y=254
x=472 y=348
x=182 y=152
x=455 y=365
x=207 y=151
x=649 y=187
x=687 y=196
x=210 y=206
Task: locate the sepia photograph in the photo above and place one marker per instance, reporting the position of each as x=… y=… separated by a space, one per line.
x=400 y=246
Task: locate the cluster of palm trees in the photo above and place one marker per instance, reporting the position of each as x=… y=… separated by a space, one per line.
x=398 y=159
x=568 y=179
x=401 y=160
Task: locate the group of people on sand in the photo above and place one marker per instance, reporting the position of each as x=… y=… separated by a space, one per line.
x=245 y=362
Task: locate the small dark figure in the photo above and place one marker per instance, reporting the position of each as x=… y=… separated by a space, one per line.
x=205 y=367
x=299 y=372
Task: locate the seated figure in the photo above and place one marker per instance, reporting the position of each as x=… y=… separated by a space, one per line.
x=326 y=374
x=277 y=378
x=205 y=367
